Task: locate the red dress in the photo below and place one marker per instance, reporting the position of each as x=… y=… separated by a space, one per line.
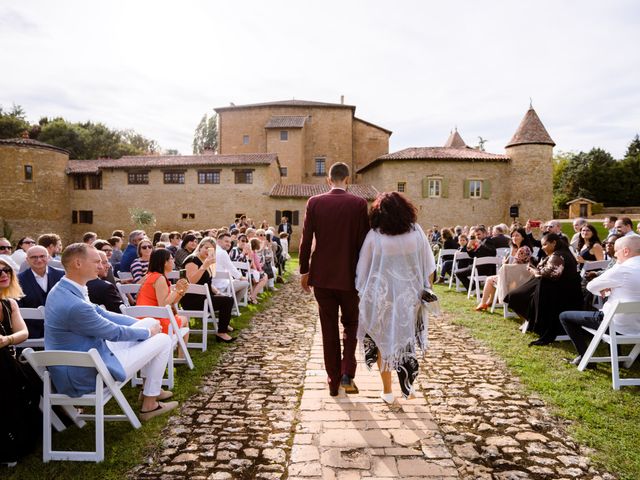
x=147 y=296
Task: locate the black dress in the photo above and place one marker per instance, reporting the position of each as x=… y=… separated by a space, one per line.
x=222 y=303
x=542 y=299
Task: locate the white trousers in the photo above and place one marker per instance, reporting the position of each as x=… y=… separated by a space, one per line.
x=240 y=287
x=150 y=357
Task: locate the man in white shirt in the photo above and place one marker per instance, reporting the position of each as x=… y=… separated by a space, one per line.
x=622 y=283
x=624 y=226
x=224 y=264
x=609 y=223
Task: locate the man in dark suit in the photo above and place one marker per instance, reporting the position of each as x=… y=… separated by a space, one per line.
x=339 y=223
x=36 y=283
x=285 y=226
x=101 y=291
x=480 y=245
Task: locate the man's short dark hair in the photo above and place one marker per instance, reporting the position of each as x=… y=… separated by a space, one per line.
x=174 y=235
x=100 y=244
x=626 y=221
x=118 y=233
x=223 y=234
x=113 y=241
x=612 y=218
x=47 y=239
x=88 y=236
x=338 y=172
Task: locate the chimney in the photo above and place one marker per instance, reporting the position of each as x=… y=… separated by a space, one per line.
x=341 y=99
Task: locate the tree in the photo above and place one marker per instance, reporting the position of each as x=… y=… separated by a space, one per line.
x=70 y=136
x=140 y=144
x=13 y=122
x=142 y=218
x=206 y=135
x=481 y=143
x=171 y=151
x=633 y=150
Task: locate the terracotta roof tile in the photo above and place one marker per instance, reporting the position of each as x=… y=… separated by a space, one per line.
x=531 y=131
x=27 y=142
x=287 y=103
x=305 y=190
x=455 y=141
x=286 y=121
x=153 y=161
x=439 y=153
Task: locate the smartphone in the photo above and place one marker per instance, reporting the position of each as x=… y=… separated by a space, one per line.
x=535 y=223
x=183 y=273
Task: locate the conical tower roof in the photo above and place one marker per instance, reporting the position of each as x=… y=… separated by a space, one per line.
x=531 y=131
x=455 y=140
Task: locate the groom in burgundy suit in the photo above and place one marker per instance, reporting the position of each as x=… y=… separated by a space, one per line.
x=339 y=222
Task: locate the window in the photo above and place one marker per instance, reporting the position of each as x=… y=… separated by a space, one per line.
x=284 y=135
x=243 y=176
x=211 y=177
x=283 y=171
x=138 y=178
x=174 y=178
x=475 y=188
x=320 y=170
x=28 y=173
x=95 y=182
x=245 y=139
x=435 y=187
x=292 y=215
x=402 y=186
x=82 y=216
x=188 y=216
x=79 y=182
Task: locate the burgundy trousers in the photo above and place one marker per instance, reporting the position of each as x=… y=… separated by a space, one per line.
x=331 y=302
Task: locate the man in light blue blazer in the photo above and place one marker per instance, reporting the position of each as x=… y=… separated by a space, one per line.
x=125 y=344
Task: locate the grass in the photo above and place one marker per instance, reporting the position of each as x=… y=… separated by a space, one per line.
x=600 y=417
x=126 y=447
x=567 y=229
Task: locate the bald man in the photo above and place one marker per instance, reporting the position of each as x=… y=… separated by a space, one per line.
x=621 y=282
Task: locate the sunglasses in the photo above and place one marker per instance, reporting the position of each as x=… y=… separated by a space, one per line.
x=146 y=247
x=7 y=270
x=30 y=242
x=4 y=247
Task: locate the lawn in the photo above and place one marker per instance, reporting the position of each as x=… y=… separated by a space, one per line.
x=601 y=418
x=126 y=447
x=567 y=229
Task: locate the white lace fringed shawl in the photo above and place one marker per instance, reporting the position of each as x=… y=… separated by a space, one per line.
x=391 y=274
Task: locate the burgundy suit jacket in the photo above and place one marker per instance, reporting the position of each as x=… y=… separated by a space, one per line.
x=339 y=222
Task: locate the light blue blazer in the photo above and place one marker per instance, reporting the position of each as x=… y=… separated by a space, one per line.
x=72 y=323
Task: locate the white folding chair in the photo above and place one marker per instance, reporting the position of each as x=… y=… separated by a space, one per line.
x=456 y=258
x=106 y=388
x=206 y=315
x=475 y=279
x=228 y=289
x=245 y=268
x=124 y=276
x=534 y=252
x=448 y=252
x=173 y=276
x=126 y=291
x=175 y=333
x=595 y=265
x=614 y=339
x=36 y=314
x=503 y=252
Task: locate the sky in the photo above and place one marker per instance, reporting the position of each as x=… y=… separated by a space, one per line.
x=418 y=68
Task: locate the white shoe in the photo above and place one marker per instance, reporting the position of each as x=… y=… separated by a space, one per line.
x=387 y=397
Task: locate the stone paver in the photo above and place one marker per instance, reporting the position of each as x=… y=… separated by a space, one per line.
x=265 y=412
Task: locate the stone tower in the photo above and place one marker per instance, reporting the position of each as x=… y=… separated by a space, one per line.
x=531 y=179
x=34 y=188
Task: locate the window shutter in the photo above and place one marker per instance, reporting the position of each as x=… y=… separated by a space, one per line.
x=278 y=216
x=486 y=189
x=445 y=188
x=425 y=187
x=465 y=192
x=295 y=219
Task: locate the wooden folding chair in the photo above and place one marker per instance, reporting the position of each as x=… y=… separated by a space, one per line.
x=175 y=332
x=106 y=388
x=614 y=339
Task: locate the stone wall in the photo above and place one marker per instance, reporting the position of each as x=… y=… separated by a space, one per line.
x=37 y=206
x=369 y=143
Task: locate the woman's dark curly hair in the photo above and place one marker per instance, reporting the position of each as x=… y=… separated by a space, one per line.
x=592 y=241
x=392 y=214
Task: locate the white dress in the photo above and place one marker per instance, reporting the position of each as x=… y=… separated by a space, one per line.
x=392 y=272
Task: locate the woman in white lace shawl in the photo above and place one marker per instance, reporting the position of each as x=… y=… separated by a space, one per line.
x=393 y=270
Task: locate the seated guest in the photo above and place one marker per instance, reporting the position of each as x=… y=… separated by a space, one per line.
x=554 y=288
x=174 y=240
x=104 y=246
x=36 y=283
x=499 y=237
x=588 y=246
x=126 y=345
x=187 y=247
x=578 y=223
x=20 y=254
x=284 y=242
x=448 y=242
x=237 y=253
x=156 y=237
x=140 y=265
x=480 y=245
x=101 y=291
x=116 y=255
x=156 y=290
x=131 y=252
x=6 y=250
x=53 y=244
x=223 y=264
x=624 y=227
x=257 y=275
x=609 y=223
x=89 y=238
x=199 y=266
x=622 y=283
x=520 y=254
x=447 y=265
